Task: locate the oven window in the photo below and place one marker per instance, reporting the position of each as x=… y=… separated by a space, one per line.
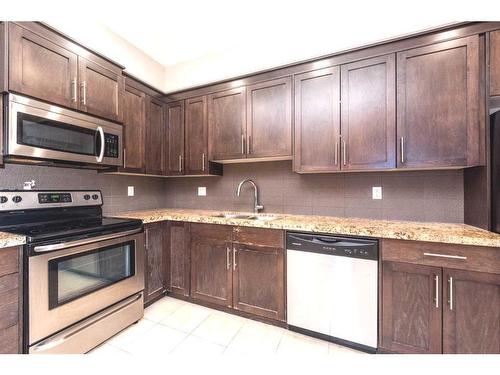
x=53 y=135
x=77 y=275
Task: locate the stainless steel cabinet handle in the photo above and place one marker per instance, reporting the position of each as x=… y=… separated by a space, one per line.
x=450 y=292
x=228 y=257
x=84 y=92
x=402 y=150
x=74 y=89
x=249 y=145
x=445 y=256
x=203 y=162
x=336 y=153
x=436 y=299
x=180 y=163
x=243 y=144
x=124 y=157
x=344 y=147
x=234 y=258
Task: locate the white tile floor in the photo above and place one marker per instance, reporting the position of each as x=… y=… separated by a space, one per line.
x=172 y=326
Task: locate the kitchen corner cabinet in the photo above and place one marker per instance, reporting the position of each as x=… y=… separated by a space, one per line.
x=494 y=63
x=438 y=105
x=155 y=137
x=174 y=153
x=178 y=258
x=10 y=301
x=317 y=121
x=368 y=113
x=134 y=129
x=44 y=65
x=239 y=268
x=156 y=259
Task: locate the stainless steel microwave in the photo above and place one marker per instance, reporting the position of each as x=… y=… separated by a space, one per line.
x=40 y=132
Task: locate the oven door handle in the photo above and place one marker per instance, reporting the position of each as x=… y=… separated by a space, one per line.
x=103 y=145
x=64 y=245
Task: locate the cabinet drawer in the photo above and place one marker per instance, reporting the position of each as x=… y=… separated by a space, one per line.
x=259 y=236
x=9 y=260
x=213 y=231
x=9 y=340
x=472 y=258
x=9 y=300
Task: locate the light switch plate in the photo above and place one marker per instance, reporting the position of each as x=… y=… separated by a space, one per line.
x=202 y=191
x=130 y=191
x=377 y=192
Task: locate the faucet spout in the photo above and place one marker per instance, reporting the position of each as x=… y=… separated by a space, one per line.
x=257 y=206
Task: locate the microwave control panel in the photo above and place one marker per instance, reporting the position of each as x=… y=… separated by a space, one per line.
x=111 y=145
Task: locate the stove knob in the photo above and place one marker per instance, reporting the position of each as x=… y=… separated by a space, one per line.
x=86 y=197
x=17 y=199
x=95 y=197
x=3 y=199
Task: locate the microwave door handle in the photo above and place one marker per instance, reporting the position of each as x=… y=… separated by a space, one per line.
x=101 y=152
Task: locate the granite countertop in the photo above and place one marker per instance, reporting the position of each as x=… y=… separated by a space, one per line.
x=9 y=240
x=460 y=234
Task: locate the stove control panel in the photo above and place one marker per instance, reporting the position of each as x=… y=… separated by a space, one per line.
x=11 y=200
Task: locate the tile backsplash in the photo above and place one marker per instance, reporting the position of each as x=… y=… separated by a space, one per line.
x=416 y=195
x=149 y=191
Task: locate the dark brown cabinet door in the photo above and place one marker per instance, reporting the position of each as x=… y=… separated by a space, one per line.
x=258 y=280
x=211 y=272
x=495 y=63
x=471 y=317
x=155 y=133
x=411 y=308
x=174 y=115
x=41 y=68
x=317 y=121
x=134 y=128
x=368 y=125
x=101 y=90
x=155 y=281
x=10 y=301
x=227 y=125
x=196 y=123
x=438 y=104
x=269 y=119
x=178 y=259
x=1 y=130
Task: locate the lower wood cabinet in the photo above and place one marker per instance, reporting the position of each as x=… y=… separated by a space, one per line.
x=240 y=268
x=178 y=259
x=10 y=301
x=440 y=308
x=156 y=255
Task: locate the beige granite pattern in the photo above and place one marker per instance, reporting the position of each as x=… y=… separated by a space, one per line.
x=403 y=230
x=9 y=240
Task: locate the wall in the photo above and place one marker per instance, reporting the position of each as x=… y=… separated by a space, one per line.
x=149 y=191
x=417 y=196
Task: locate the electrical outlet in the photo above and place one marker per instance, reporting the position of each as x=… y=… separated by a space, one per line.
x=202 y=191
x=130 y=191
x=377 y=192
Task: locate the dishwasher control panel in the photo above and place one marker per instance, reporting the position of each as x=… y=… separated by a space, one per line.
x=339 y=246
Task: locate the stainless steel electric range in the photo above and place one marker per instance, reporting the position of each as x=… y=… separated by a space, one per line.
x=83 y=273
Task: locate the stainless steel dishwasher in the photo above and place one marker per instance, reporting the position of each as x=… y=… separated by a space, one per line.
x=332 y=288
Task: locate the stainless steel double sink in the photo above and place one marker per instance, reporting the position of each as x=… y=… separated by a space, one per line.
x=246 y=216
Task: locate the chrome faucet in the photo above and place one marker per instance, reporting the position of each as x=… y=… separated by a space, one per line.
x=257 y=206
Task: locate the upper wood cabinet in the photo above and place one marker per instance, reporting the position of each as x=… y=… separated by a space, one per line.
x=438 y=105
x=1 y=130
x=317 y=121
x=368 y=125
x=156 y=258
x=269 y=119
x=42 y=69
x=155 y=137
x=227 y=124
x=495 y=63
x=101 y=90
x=178 y=259
x=174 y=147
x=411 y=309
x=196 y=124
x=46 y=66
x=471 y=312
x=134 y=129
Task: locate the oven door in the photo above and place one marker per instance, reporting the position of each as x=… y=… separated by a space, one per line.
x=69 y=285
x=42 y=131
